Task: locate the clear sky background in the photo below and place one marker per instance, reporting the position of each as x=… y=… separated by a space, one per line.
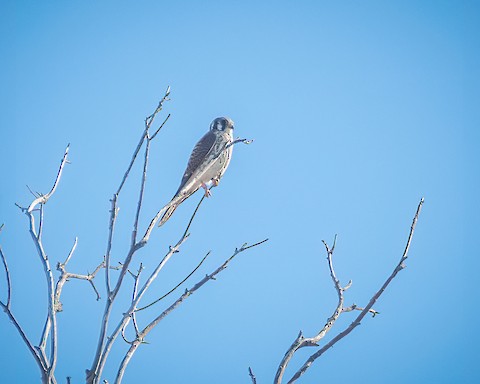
x=358 y=109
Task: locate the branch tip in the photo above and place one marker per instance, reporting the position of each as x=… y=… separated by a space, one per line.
x=252 y=376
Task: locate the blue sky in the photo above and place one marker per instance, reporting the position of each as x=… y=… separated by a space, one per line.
x=358 y=109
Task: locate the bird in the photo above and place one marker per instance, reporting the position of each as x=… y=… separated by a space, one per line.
x=207 y=163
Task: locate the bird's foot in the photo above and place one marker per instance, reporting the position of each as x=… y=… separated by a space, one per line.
x=207 y=190
x=215 y=182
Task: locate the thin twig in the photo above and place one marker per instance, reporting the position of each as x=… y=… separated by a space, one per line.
x=123 y=335
x=193 y=216
x=174 y=288
x=7 y=273
x=93 y=375
x=252 y=376
x=238 y=140
x=366 y=310
x=65 y=276
x=148 y=123
x=34 y=194
x=142 y=191
x=134 y=297
x=69 y=256
x=28 y=343
x=43 y=339
x=44 y=198
x=111 y=229
x=40 y=222
x=159 y=128
x=51 y=324
x=355 y=307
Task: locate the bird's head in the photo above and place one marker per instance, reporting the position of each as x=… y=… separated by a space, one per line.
x=222 y=124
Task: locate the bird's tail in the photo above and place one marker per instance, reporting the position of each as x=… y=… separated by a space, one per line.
x=170 y=210
x=167 y=214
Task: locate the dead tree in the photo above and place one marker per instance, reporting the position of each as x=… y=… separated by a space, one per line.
x=45 y=353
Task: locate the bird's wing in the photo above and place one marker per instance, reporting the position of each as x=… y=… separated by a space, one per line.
x=199 y=153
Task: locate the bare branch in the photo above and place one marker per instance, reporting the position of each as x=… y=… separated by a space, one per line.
x=141 y=336
x=134 y=297
x=41 y=364
x=123 y=335
x=148 y=123
x=354 y=307
x=238 y=140
x=43 y=340
x=127 y=315
x=65 y=276
x=111 y=229
x=7 y=273
x=302 y=341
x=252 y=376
x=42 y=199
x=142 y=191
x=40 y=222
x=70 y=254
x=174 y=288
x=94 y=373
x=34 y=194
x=50 y=328
x=126 y=318
x=193 y=216
x=161 y=126
x=366 y=310
x=149 y=119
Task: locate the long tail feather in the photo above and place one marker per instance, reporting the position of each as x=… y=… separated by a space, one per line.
x=174 y=206
x=167 y=214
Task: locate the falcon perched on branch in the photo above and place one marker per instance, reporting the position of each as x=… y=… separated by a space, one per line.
x=207 y=164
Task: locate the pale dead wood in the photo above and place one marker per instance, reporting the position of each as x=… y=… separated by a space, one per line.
x=302 y=341
x=103 y=345
x=119 y=329
x=369 y=306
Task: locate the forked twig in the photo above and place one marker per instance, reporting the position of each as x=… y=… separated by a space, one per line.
x=42 y=199
x=148 y=122
x=143 y=333
x=94 y=373
x=127 y=315
x=46 y=365
x=369 y=306
x=302 y=341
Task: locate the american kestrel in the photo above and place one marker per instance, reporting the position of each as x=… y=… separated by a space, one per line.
x=207 y=164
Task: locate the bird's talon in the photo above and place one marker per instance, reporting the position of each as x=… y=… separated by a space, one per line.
x=207 y=191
